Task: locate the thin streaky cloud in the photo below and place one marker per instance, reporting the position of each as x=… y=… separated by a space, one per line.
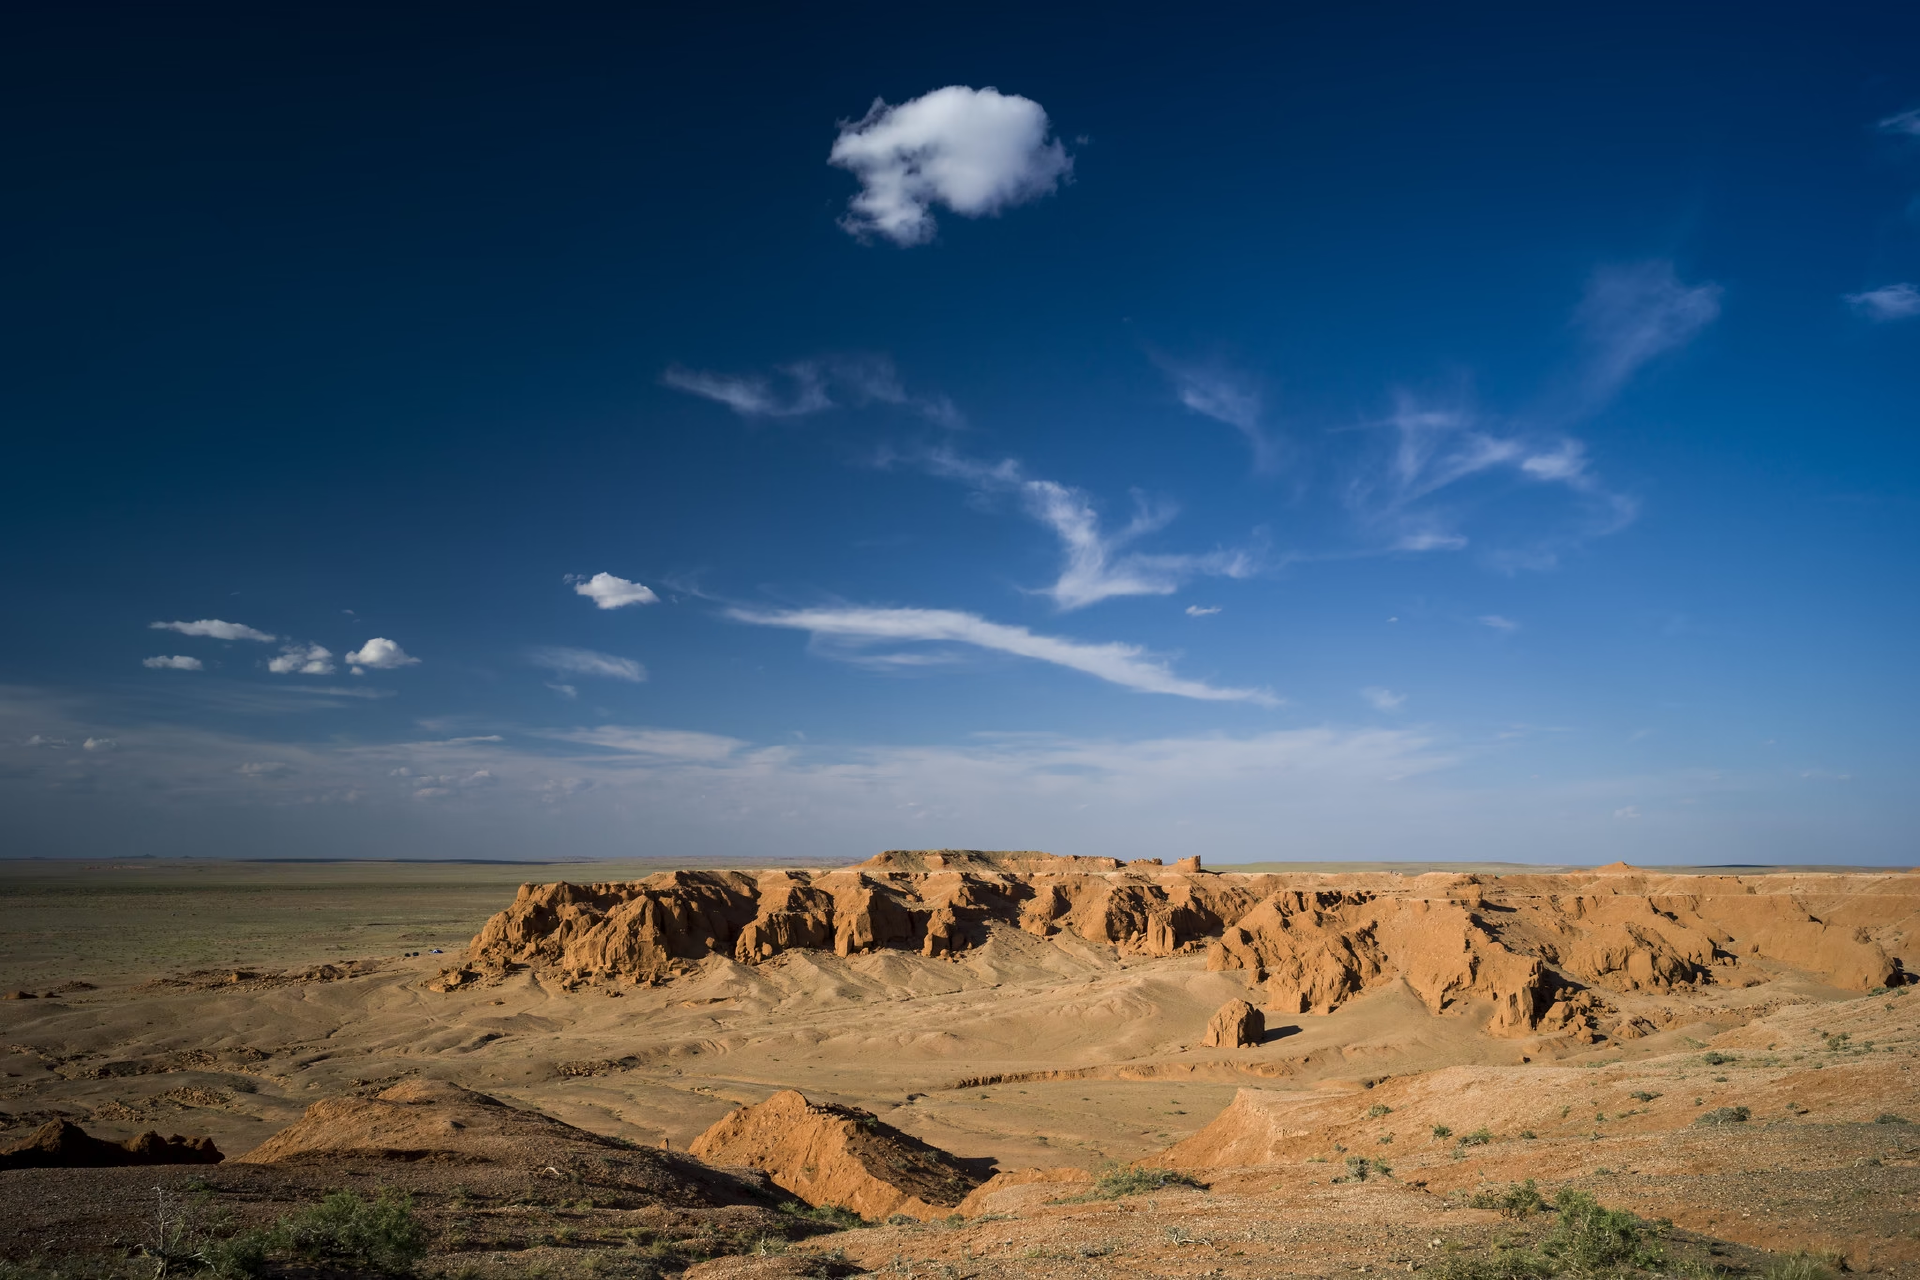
x=973 y=151
x=1634 y=313
x=753 y=395
x=214 y=629
x=1202 y=611
x=1497 y=622
x=1888 y=302
x=1122 y=664
x=1903 y=122
x=586 y=662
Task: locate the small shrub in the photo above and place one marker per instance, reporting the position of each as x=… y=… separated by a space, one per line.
x=1888 y=1117
x=1441 y=1131
x=1799 y=1266
x=1641 y=1095
x=1517 y=1201
x=1528 y=1134
x=1715 y=1059
x=1358 y=1168
x=1724 y=1115
x=902 y=1220
x=1478 y=1138
x=1116 y=1180
x=379 y=1234
x=1590 y=1239
x=1377 y=1110
x=1386 y=1139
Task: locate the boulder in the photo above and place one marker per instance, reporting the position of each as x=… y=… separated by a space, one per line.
x=1238 y=1025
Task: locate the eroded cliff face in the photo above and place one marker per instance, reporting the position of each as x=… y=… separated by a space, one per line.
x=1532 y=953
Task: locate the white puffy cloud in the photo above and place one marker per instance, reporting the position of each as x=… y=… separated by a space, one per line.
x=974 y=151
x=610 y=592
x=1383 y=699
x=172 y=662
x=1098 y=567
x=215 y=629
x=1888 y=302
x=586 y=662
x=303 y=659
x=99 y=744
x=1122 y=664
x=381 y=654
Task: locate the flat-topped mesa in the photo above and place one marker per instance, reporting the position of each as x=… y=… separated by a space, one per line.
x=1533 y=952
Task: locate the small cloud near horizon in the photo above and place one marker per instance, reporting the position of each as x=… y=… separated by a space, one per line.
x=1888 y=302
x=215 y=629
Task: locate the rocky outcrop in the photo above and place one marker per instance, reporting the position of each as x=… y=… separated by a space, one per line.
x=1527 y=952
x=838 y=1156
x=59 y=1144
x=1238 y=1025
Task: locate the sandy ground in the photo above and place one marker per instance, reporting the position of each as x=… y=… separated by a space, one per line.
x=1024 y=1052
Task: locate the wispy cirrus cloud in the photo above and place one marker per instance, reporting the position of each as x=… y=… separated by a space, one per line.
x=1497 y=622
x=1099 y=564
x=974 y=151
x=586 y=662
x=1634 y=313
x=1888 y=302
x=215 y=629
x=807 y=387
x=1219 y=393
x=1123 y=664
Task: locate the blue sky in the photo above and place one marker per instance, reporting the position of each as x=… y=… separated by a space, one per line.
x=1246 y=432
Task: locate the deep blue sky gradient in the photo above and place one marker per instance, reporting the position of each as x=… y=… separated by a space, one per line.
x=369 y=309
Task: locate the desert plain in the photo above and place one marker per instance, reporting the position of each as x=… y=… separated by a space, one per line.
x=963 y=1064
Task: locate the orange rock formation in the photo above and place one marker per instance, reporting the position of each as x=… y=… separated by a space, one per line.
x=838 y=1156
x=1534 y=952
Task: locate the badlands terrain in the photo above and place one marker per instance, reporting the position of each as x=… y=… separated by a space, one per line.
x=1001 y=1064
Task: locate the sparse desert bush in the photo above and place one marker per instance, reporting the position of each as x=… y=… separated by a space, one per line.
x=1478 y=1138
x=1116 y=1180
x=1587 y=1240
x=1359 y=1168
x=1724 y=1115
x=1714 y=1059
x=1377 y=1110
x=1641 y=1095
x=831 y=1215
x=1517 y=1201
x=1888 y=1117
x=1441 y=1131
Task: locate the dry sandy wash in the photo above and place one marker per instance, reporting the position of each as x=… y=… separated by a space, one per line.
x=951 y=1044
